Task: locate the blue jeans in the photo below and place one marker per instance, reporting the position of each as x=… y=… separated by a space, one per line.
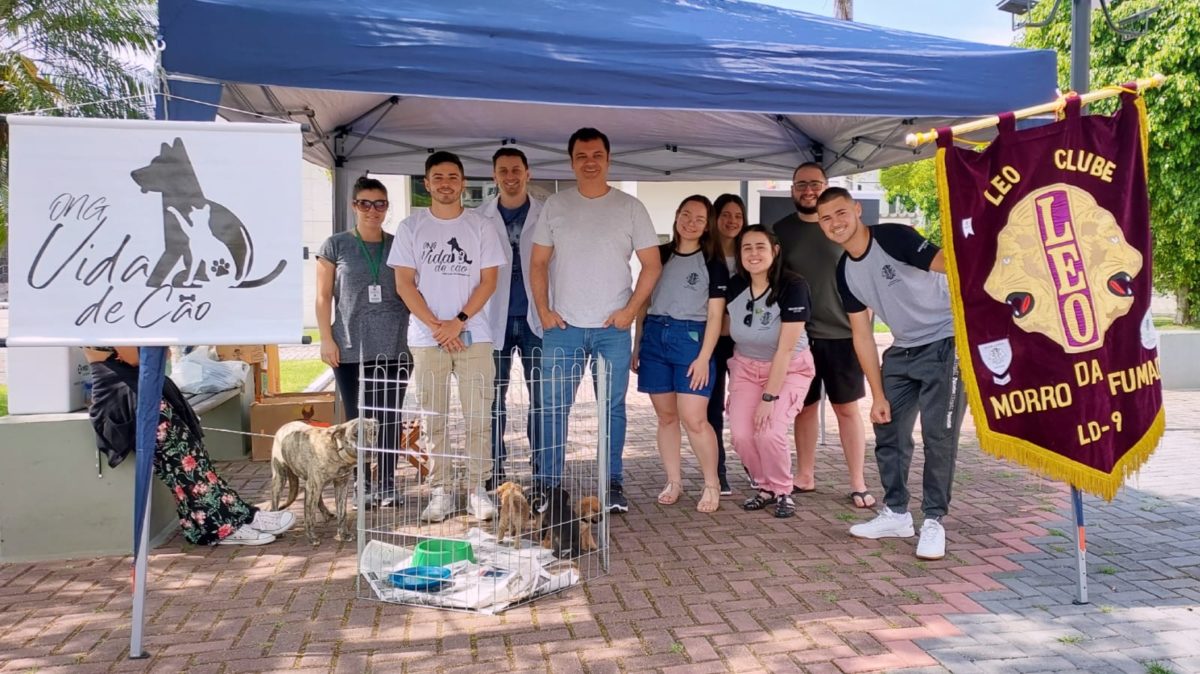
x=565 y=354
x=518 y=339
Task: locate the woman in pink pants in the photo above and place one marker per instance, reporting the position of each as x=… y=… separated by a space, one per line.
x=771 y=367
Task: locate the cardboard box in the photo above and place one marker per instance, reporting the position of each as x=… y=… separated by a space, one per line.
x=268 y=414
x=250 y=353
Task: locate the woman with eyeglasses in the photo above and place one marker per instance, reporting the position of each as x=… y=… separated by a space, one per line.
x=771 y=368
x=369 y=327
x=731 y=217
x=673 y=354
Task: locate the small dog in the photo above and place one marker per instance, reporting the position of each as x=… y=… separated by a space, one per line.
x=514 y=511
x=318 y=456
x=416 y=455
x=590 y=514
x=560 y=528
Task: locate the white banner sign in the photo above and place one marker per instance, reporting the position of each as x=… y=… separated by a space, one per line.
x=125 y=232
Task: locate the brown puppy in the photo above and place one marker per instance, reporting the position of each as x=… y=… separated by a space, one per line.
x=590 y=513
x=318 y=456
x=514 y=511
x=415 y=454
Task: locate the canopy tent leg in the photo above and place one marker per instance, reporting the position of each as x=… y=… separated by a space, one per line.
x=1081 y=589
x=343 y=186
x=150 y=383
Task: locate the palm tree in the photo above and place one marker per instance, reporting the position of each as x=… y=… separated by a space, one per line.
x=82 y=53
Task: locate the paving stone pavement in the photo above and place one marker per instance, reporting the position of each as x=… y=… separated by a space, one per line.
x=687 y=593
x=1143 y=583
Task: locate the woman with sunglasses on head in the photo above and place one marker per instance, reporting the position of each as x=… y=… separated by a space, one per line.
x=771 y=368
x=673 y=354
x=731 y=217
x=369 y=326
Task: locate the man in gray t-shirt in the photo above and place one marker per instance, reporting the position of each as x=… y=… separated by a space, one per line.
x=894 y=271
x=580 y=278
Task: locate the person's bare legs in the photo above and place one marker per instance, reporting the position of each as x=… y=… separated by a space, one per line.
x=854 y=445
x=806 y=427
x=669 y=439
x=693 y=410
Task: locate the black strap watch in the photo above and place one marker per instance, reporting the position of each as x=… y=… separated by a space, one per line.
x=462 y=316
x=768 y=398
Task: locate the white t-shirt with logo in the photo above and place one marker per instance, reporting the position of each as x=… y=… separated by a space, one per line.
x=448 y=256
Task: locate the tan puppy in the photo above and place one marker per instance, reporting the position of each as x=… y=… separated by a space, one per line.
x=590 y=513
x=514 y=511
x=318 y=456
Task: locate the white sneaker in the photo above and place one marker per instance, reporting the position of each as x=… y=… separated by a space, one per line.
x=479 y=505
x=933 y=540
x=440 y=506
x=886 y=525
x=273 y=523
x=247 y=535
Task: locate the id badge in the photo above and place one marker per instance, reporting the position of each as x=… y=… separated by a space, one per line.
x=375 y=293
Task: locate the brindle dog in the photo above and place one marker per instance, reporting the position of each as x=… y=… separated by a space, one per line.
x=318 y=456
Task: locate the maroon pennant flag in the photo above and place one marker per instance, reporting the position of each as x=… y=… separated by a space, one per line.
x=1047 y=240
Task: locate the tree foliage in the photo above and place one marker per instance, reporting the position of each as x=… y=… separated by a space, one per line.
x=82 y=53
x=1171 y=46
x=915 y=185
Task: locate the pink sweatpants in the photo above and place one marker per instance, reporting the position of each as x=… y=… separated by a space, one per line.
x=767 y=452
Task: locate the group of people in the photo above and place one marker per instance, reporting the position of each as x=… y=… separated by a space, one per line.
x=775 y=316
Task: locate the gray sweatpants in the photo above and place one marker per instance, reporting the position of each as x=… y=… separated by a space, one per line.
x=923 y=378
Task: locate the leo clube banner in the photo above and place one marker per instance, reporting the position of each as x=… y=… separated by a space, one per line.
x=1047 y=236
x=138 y=232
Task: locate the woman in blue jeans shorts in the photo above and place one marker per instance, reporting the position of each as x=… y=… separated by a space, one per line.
x=673 y=354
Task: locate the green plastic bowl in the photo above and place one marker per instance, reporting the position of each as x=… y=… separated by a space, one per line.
x=442 y=552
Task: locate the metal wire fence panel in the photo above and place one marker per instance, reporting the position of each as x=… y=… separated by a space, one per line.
x=484 y=510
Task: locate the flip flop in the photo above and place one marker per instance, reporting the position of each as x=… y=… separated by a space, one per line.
x=857 y=496
x=798 y=490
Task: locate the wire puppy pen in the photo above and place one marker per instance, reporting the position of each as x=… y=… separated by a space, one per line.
x=454 y=537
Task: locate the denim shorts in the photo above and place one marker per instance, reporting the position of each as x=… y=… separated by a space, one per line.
x=667 y=348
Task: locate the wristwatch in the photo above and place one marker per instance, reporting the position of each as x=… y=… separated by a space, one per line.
x=768 y=398
x=462 y=316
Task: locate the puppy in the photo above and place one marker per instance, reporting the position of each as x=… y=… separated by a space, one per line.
x=416 y=455
x=318 y=456
x=514 y=511
x=560 y=531
x=590 y=514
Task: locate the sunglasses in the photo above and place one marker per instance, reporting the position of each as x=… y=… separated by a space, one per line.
x=365 y=205
x=814 y=185
x=749 y=319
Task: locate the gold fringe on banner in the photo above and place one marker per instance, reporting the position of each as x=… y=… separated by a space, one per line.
x=1038 y=459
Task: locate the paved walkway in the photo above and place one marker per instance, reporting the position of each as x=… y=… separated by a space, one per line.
x=730 y=592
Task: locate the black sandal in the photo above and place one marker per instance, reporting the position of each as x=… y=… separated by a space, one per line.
x=759 y=501
x=785 y=506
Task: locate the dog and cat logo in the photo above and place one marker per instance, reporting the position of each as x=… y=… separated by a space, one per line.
x=446 y=258
x=205 y=248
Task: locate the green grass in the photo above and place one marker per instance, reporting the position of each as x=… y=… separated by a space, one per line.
x=1108 y=570
x=313 y=334
x=3 y=401
x=1167 y=323
x=1070 y=639
x=1155 y=668
x=296 y=375
x=880 y=326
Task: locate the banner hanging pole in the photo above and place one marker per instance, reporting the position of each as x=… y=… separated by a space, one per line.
x=918 y=139
x=1081 y=63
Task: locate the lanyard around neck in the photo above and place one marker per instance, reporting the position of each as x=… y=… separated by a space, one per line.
x=372 y=263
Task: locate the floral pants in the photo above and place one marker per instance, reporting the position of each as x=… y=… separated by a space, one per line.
x=209 y=509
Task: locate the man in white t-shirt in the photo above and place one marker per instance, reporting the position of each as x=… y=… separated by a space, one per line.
x=585 y=301
x=446 y=261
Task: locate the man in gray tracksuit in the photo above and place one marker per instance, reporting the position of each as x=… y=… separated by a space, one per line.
x=894 y=271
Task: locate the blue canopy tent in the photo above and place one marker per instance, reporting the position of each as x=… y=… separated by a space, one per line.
x=686 y=89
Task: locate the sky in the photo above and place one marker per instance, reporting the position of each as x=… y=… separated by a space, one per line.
x=973 y=20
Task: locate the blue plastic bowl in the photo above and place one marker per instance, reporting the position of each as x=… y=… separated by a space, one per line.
x=421 y=578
